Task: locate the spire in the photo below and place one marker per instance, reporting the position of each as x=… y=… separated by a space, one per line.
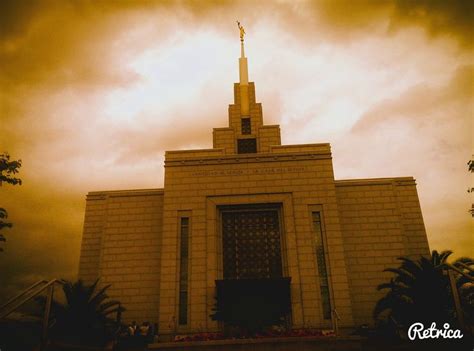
x=243 y=76
x=243 y=70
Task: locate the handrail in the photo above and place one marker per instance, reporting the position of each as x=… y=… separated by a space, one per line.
x=335 y=321
x=456 y=269
x=33 y=291
x=28 y=289
x=28 y=298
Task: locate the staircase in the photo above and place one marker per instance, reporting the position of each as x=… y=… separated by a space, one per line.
x=10 y=327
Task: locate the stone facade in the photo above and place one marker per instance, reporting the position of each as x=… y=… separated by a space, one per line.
x=121 y=245
x=132 y=238
x=381 y=220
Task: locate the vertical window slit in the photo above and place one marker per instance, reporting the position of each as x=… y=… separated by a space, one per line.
x=321 y=261
x=246 y=126
x=183 y=271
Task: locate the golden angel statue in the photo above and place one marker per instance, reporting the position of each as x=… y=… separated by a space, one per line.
x=242 y=31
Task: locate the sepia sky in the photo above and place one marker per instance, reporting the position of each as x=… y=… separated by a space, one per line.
x=93 y=92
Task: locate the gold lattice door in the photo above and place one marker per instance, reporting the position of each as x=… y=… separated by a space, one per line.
x=251 y=244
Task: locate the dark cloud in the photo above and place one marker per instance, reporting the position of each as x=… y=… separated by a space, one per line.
x=419 y=104
x=46 y=230
x=438 y=17
x=54 y=43
x=345 y=16
x=453 y=18
x=15 y=17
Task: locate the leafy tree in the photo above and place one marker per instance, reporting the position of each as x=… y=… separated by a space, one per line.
x=465 y=286
x=86 y=318
x=421 y=291
x=8 y=169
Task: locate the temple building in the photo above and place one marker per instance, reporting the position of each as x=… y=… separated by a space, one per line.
x=250 y=208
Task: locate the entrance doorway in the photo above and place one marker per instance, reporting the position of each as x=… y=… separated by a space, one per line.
x=253 y=293
x=251 y=244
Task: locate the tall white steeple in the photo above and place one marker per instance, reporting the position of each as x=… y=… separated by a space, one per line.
x=243 y=75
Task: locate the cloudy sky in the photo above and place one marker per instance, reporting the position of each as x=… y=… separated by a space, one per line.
x=93 y=93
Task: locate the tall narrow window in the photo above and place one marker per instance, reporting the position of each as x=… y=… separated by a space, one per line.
x=246 y=127
x=183 y=271
x=322 y=268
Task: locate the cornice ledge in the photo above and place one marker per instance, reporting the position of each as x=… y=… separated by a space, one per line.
x=399 y=181
x=248 y=158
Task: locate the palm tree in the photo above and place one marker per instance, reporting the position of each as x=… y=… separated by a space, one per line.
x=421 y=291
x=465 y=286
x=86 y=315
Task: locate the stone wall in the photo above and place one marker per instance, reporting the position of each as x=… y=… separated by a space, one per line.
x=95 y=215
x=381 y=221
x=121 y=245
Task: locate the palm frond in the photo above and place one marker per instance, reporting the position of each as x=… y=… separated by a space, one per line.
x=465 y=260
x=443 y=256
x=100 y=296
x=103 y=307
x=410 y=265
x=401 y=274
x=90 y=290
x=434 y=257
x=385 y=285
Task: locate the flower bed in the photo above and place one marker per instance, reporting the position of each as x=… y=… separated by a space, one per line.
x=267 y=334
